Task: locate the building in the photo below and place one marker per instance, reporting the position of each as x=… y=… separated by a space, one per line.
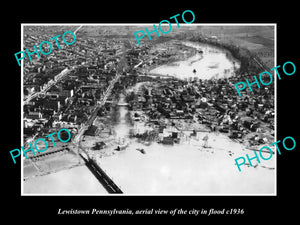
x=168 y=141
x=34 y=115
x=52 y=104
x=92 y=131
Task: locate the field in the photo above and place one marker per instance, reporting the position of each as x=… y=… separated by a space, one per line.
x=257 y=39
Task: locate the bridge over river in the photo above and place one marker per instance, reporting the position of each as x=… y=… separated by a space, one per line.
x=101 y=176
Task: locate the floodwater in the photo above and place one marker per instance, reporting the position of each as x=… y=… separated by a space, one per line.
x=75 y=181
x=122 y=127
x=186 y=168
x=209 y=62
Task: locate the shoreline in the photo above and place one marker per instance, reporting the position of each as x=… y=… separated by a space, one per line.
x=198 y=49
x=173 y=60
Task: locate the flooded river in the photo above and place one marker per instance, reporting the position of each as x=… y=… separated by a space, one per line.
x=185 y=168
x=122 y=127
x=209 y=62
x=75 y=181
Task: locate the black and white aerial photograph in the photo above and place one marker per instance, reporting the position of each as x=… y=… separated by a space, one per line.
x=151 y=115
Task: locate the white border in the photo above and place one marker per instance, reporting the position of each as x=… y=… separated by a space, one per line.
x=22 y=114
x=151 y=24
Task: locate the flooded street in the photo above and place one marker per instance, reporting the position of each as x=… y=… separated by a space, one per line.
x=209 y=62
x=123 y=126
x=185 y=168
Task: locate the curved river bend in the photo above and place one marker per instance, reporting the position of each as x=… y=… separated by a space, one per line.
x=209 y=62
x=200 y=172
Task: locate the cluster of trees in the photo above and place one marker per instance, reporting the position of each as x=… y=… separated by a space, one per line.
x=146 y=136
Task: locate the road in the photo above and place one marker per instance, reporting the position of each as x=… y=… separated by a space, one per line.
x=77 y=29
x=261 y=66
x=50 y=84
x=101 y=176
x=92 y=117
x=60 y=76
x=95 y=169
x=145 y=61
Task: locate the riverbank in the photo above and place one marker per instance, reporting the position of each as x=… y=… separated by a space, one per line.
x=254 y=111
x=184 y=164
x=168 y=53
x=73 y=181
x=181 y=164
x=188 y=168
x=175 y=113
x=208 y=62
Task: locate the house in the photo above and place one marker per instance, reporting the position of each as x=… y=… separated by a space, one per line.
x=67 y=93
x=34 y=115
x=63 y=100
x=52 y=104
x=168 y=141
x=92 y=131
x=99 y=145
